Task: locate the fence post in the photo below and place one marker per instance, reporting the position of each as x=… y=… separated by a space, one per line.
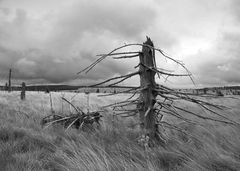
x=148 y=93
x=23 y=91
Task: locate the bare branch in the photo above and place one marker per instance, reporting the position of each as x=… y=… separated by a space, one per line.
x=210 y=110
x=78 y=110
x=57 y=120
x=123 y=102
x=120 y=53
x=170 y=126
x=122 y=113
x=147 y=112
x=134 y=94
x=204 y=117
x=122 y=79
x=131 y=90
x=127 y=104
x=162 y=69
x=172 y=112
x=165 y=73
x=115 y=78
x=87 y=69
x=129 y=115
x=121 y=110
x=128 y=56
x=72 y=123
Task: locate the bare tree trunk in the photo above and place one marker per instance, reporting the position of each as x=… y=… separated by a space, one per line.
x=23 y=91
x=148 y=94
x=9 y=81
x=6 y=87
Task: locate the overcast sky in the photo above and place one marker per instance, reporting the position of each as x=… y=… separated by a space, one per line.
x=49 y=41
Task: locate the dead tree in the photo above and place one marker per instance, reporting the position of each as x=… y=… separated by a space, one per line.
x=23 y=91
x=148 y=94
x=150 y=100
x=9 y=81
x=6 y=87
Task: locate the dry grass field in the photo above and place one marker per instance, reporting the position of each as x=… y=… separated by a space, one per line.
x=26 y=146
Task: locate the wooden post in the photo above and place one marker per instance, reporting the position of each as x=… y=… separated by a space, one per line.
x=6 y=87
x=9 y=81
x=148 y=94
x=87 y=93
x=23 y=94
x=51 y=103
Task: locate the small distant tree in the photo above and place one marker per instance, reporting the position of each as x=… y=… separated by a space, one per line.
x=97 y=90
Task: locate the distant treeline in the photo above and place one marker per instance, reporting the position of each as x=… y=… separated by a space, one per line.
x=216 y=88
x=58 y=87
x=103 y=89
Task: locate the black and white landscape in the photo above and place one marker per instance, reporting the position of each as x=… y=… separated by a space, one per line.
x=119 y=85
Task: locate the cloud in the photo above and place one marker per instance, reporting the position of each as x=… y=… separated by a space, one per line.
x=35 y=64
x=51 y=41
x=56 y=45
x=117 y=20
x=235 y=4
x=219 y=65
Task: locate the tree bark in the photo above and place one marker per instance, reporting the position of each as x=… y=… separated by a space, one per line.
x=148 y=94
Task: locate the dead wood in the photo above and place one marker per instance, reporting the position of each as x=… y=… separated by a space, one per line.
x=148 y=105
x=73 y=120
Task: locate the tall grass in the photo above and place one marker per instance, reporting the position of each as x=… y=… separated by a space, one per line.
x=24 y=145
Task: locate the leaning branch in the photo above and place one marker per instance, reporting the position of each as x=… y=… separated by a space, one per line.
x=124 y=77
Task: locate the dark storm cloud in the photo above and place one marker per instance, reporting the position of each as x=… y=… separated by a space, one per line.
x=126 y=18
x=53 y=40
x=56 y=47
x=35 y=64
